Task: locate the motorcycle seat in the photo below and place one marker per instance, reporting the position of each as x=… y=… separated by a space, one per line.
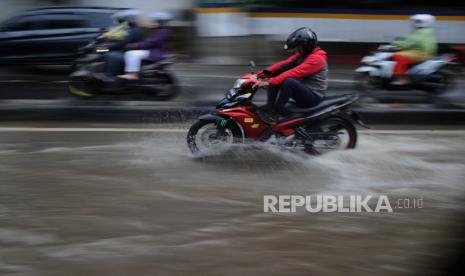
x=292 y=108
x=150 y=65
x=414 y=64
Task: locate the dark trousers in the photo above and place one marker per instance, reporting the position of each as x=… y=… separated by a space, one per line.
x=304 y=97
x=114 y=63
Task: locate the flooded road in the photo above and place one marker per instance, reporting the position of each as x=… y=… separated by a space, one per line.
x=133 y=202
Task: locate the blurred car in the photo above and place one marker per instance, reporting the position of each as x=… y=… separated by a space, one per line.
x=51 y=35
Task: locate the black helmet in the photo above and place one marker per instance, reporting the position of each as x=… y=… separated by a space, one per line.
x=302 y=37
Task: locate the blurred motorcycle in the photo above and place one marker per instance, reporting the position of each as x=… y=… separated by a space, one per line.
x=435 y=76
x=319 y=129
x=87 y=78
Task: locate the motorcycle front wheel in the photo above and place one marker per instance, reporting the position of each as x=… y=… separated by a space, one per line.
x=440 y=82
x=207 y=137
x=367 y=86
x=82 y=88
x=329 y=135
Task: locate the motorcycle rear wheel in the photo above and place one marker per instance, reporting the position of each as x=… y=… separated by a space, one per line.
x=440 y=82
x=367 y=86
x=365 y=83
x=329 y=135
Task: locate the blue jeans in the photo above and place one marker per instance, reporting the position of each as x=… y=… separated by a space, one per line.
x=304 y=97
x=114 y=63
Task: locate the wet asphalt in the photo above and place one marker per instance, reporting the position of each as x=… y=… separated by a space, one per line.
x=130 y=200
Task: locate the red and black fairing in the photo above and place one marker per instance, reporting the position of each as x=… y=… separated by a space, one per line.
x=286 y=128
x=243 y=113
x=251 y=124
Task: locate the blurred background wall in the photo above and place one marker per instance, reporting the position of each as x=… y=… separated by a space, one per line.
x=233 y=31
x=9 y=7
x=144 y=5
x=333 y=22
x=238 y=30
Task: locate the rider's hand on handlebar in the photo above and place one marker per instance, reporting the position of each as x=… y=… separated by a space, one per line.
x=264 y=74
x=260 y=84
x=261 y=75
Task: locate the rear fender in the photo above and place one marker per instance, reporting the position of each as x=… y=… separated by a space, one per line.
x=210 y=118
x=372 y=71
x=430 y=66
x=352 y=117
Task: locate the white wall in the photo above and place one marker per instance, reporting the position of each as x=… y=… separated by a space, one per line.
x=223 y=24
x=347 y=30
x=144 y=5
x=356 y=30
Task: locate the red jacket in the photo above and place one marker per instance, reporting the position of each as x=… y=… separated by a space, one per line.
x=314 y=62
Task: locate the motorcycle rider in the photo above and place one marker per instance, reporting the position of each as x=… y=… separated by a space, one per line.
x=153 y=48
x=416 y=47
x=121 y=30
x=125 y=33
x=302 y=76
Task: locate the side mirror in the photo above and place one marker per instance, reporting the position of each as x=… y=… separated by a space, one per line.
x=252 y=66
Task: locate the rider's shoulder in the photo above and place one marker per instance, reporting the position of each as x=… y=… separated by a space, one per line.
x=317 y=54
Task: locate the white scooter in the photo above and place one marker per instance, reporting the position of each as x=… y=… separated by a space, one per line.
x=435 y=76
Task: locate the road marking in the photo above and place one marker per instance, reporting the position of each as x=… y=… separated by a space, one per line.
x=184 y=130
x=341 y=81
x=85 y=129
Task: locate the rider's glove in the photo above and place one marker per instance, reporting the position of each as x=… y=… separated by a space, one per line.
x=263 y=74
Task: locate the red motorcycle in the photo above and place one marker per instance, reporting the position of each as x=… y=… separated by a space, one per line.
x=315 y=130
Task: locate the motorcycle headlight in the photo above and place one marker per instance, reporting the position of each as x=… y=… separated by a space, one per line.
x=368 y=59
x=244 y=96
x=238 y=83
x=231 y=93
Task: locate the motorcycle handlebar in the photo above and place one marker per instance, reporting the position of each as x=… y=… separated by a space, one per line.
x=387 y=48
